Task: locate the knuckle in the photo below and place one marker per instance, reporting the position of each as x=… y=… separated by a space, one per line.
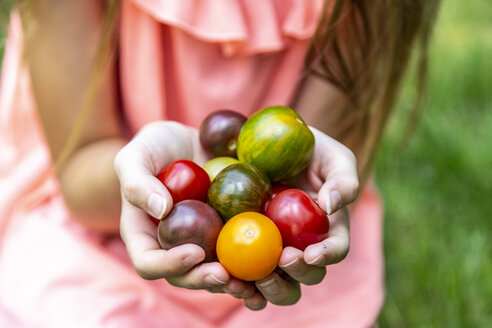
x=130 y=191
x=349 y=154
x=149 y=272
x=120 y=159
x=354 y=187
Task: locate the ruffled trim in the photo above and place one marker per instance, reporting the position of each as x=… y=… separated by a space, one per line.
x=240 y=26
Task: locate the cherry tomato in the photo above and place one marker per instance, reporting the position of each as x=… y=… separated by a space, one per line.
x=191 y=221
x=217 y=164
x=249 y=246
x=219 y=131
x=277 y=188
x=300 y=220
x=185 y=180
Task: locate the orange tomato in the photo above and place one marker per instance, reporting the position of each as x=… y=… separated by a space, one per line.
x=249 y=246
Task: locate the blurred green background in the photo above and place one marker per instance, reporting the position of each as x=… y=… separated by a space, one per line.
x=438 y=186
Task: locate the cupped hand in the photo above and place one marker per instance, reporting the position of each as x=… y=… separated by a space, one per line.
x=331 y=179
x=137 y=165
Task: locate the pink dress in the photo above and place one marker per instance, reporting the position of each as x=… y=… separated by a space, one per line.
x=180 y=60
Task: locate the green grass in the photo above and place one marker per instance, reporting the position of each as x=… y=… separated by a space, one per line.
x=438 y=189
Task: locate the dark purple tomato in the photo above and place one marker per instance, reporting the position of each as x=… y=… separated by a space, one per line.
x=191 y=222
x=219 y=132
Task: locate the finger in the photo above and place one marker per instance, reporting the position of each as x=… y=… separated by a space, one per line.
x=138 y=183
x=338 y=168
x=139 y=234
x=216 y=289
x=141 y=160
x=239 y=288
x=256 y=302
x=202 y=276
x=279 y=291
x=334 y=248
x=236 y=288
x=292 y=262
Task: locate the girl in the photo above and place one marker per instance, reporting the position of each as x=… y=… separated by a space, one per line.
x=70 y=94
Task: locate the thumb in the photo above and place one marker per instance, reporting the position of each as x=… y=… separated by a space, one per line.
x=139 y=186
x=340 y=189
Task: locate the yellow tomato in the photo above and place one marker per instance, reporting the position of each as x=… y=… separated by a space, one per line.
x=249 y=246
x=215 y=165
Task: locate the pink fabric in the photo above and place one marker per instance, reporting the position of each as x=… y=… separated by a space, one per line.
x=224 y=74
x=179 y=60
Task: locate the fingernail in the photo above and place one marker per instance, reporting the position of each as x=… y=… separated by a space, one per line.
x=270 y=286
x=316 y=260
x=212 y=281
x=156 y=206
x=290 y=264
x=333 y=202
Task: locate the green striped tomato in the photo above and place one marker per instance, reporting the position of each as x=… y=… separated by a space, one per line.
x=277 y=141
x=239 y=188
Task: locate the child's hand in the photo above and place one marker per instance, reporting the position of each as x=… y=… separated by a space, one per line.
x=137 y=164
x=333 y=168
x=331 y=178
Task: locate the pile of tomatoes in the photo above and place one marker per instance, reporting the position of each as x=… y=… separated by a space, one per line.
x=236 y=207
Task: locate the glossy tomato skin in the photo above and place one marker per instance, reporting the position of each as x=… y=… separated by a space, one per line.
x=239 y=188
x=217 y=164
x=219 y=131
x=276 y=141
x=300 y=220
x=191 y=221
x=249 y=246
x=185 y=180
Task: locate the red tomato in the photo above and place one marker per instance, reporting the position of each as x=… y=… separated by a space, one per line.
x=185 y=180
x=277 y=188
x=300 y=220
